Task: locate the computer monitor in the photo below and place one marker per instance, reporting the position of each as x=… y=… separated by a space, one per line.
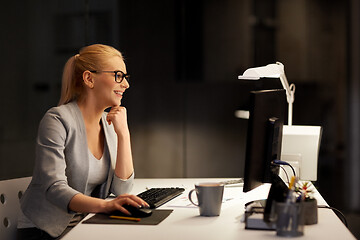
x=267 y=113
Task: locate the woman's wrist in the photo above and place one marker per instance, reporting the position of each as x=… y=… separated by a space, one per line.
x=105 y=206
x=87 y=204
x=123 y=134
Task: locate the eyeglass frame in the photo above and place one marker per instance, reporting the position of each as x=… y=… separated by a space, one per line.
x=123 y=76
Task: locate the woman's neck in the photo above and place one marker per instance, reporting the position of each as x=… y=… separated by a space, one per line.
x=91 y=113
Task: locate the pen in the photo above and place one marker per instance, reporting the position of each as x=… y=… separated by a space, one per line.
x=126 y=218
x=291 y=198
x=292 y=182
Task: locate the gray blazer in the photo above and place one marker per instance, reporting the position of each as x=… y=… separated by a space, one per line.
x=62 y=167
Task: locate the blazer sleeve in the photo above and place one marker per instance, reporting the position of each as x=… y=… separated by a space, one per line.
x=120 y=186
x=50 y=166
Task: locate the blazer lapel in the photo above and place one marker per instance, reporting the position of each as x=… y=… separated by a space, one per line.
x=83 y=154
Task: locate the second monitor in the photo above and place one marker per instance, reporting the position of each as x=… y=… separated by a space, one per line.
x=267 y=113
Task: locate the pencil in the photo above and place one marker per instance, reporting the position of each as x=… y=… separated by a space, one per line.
x=126 y=218
x=292 y=182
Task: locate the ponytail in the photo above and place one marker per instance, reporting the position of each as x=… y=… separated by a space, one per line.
x=67 y=93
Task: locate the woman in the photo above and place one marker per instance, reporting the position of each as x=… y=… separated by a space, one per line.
x=82 y=153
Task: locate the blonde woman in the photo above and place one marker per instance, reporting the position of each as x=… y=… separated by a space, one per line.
x=82 y=153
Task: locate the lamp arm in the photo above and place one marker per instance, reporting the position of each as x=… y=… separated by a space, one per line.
x=290 y=96
x=290 y=90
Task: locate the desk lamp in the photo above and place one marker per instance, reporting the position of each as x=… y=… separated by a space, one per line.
x=275 y=70
x=300 y=144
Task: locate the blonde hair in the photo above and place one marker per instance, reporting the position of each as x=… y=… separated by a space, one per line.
x=91 y=57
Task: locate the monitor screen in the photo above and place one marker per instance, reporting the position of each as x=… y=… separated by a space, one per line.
x=267 y=113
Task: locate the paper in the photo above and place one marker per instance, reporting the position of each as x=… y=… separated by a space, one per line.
x=230 y=194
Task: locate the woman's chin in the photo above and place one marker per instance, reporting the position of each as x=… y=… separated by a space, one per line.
x=118 y=103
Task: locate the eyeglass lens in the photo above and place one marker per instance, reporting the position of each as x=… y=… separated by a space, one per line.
x=119 y=77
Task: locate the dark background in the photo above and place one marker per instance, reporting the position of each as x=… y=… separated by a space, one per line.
x=184 y=58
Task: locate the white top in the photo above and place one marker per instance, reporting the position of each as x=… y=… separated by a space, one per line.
x=98 y=170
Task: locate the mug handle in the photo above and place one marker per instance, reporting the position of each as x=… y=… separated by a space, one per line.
x=191 y=199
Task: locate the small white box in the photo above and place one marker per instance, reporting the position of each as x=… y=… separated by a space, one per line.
x=303 y=141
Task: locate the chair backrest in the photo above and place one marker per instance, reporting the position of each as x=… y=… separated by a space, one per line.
x=10 y=193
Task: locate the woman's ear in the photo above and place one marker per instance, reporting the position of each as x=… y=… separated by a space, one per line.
x=88 y=79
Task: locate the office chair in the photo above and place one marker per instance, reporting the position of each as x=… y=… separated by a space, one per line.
x=10 y=193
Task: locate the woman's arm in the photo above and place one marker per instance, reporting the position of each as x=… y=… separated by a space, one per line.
x=124 y=162
x=86 y=204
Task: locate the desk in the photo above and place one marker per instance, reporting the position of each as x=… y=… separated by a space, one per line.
x=185 y=222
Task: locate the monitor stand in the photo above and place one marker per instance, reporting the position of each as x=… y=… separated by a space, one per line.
x=258 y=213
x=256 y=203
x=254 y=216
x=278 y=193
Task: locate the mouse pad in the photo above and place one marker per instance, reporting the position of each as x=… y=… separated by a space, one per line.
x=157 y=216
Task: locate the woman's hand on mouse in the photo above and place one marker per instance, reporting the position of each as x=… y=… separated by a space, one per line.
x=125 y=199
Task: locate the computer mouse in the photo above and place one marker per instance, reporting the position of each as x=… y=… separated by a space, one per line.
x=138 y=212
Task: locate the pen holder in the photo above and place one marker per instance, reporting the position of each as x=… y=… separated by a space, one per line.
x=290 y=219
x=310 y=210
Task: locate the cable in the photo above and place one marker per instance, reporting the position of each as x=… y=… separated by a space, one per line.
x=287 y=176
x=279 y=162
x=337 y=212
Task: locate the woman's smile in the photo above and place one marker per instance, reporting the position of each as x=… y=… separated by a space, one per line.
x=118 y=93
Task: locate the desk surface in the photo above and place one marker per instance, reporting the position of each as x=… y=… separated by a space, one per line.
x=185 y=222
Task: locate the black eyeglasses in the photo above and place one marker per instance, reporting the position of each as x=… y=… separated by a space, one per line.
x=119 y=75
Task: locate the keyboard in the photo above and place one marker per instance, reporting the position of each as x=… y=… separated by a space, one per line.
x=233 y=181
x=156 y=197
